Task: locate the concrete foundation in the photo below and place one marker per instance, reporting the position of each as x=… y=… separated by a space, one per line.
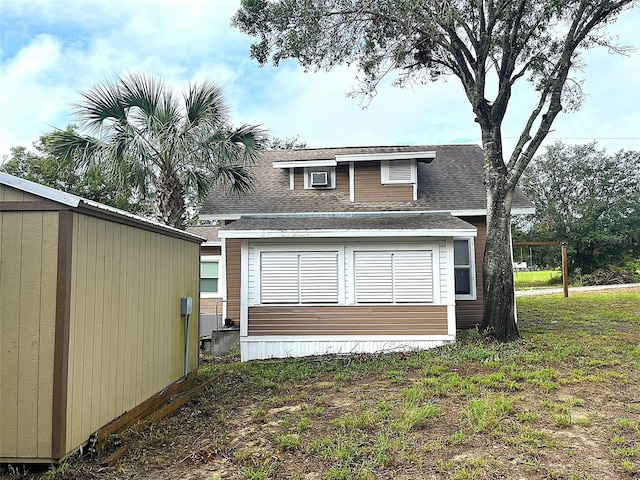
x=220 y=342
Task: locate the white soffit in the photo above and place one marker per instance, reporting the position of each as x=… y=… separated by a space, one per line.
x=367 y=157
x=306 y=163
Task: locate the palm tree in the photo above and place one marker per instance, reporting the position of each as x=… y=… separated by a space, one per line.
x=140 y=134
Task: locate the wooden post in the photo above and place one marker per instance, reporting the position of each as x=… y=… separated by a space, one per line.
x=565 y=270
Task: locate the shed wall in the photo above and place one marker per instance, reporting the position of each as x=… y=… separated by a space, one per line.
x=126 y=334
x=8 y=194
x=28 y=267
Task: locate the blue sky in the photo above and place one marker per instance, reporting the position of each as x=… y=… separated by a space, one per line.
x=52 y=49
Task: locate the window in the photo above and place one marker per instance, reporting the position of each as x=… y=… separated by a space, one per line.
x=398 y=171
x=393 y=277
x=464 y=269
x=299 y=277
x=320 y=177
x=209 y=275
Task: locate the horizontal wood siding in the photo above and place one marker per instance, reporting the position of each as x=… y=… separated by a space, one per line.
x=126 y=334
x=368 y=186
x=211 y=250
x=233 y=278
x=342 y=179
x=348 y=320
x=469 y=312
x=298 y=178
x=211 y=305
x=28 y=269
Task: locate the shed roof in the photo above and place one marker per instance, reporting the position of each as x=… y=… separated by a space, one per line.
x=87 y=206
x=348 y=226
x=452 y=182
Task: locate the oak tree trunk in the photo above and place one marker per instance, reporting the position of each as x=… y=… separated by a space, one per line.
x=499 y=303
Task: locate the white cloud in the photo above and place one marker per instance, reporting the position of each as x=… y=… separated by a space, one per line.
x=54 y=49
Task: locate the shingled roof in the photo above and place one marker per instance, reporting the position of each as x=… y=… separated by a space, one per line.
x=453 y=181
x=292 y=225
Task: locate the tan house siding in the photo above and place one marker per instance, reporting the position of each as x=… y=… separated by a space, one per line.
x=469 y=312
x=123 y=347
x=28 y=266
x=348 y=320
x=368 y=185
x=298 y=178
x=210 y=250
x=342 y=179
x=211 y=305
x=233 y=279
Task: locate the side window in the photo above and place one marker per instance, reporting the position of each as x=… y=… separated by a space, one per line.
x=464 y=269
x=209 y=275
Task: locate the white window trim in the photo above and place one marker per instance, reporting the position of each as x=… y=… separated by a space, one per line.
x=258 y=250
x=213 y=258
x=384 y=172
x=331 y=174
x=472 y=266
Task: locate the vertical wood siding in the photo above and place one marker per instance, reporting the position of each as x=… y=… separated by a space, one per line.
x=369 y=188
x=469 y=312
x=233 y=278
x=28 y=268
x=8 y=194
x=126 y=335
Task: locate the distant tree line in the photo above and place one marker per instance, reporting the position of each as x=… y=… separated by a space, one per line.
x=587 y=197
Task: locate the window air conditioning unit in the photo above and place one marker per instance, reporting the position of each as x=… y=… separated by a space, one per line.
x=319 y=179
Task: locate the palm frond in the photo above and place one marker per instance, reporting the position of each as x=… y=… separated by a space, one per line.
x=143 y=92
x=74 y=148
x=205 y=106
x=101 y=104
x=235 y=178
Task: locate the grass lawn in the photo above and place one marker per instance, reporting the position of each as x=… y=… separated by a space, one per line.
x=562 y=403
x=540 y=279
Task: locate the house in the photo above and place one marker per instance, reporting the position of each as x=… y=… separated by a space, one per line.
x=92 y=317
x=218 y=334
x=211 y=282
x=358 y=249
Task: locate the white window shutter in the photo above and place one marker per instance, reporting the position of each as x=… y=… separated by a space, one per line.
x=319 y=277
x=401 y=171
x=279 y=281
x=373 y=277
x=413 y=276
